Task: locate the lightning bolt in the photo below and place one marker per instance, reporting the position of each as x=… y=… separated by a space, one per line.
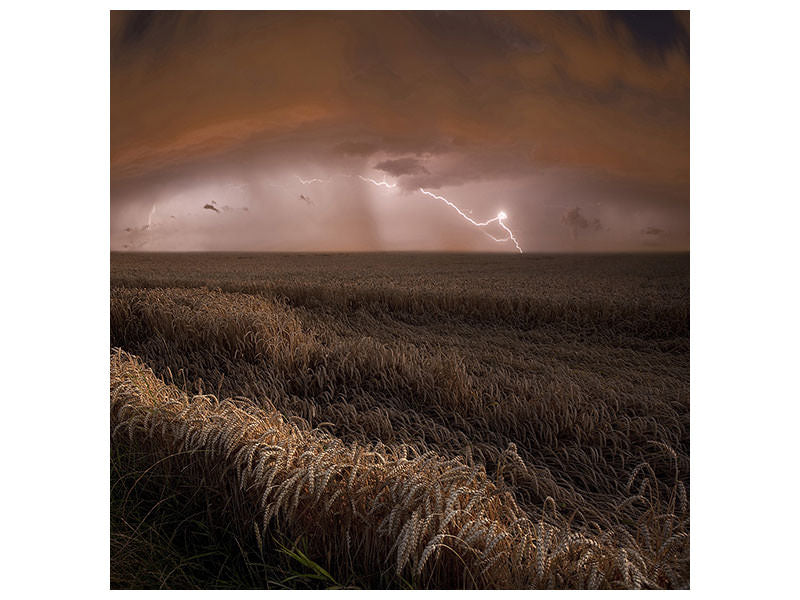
x=307 y=181
x=379 y=183
x=499 y=219
x=446 y=201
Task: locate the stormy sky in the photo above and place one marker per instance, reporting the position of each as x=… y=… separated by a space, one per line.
x=316 y=131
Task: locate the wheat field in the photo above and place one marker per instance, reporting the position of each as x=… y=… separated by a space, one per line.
x=400 y=421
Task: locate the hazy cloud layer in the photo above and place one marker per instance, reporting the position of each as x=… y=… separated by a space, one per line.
x=514 y=109
x=402 y=166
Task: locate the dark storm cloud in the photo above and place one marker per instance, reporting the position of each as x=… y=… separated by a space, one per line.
x=575 y=221
x=149 y=33
x=486 y=32
x=471 y=80
x=402 y=166
x=652 y=231
x=211 y=207
x=482 y=96
x=138 y=26
x=620 y=94
x=574 y=218
x=655 y=32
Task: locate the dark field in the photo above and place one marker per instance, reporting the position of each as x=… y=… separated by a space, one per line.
x=400 y=420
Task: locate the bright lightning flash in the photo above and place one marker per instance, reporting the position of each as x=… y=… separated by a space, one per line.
x=499 y=219
x=307 y=181
x=379 y=183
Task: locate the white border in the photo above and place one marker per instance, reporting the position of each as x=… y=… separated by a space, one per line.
x=744 y=325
